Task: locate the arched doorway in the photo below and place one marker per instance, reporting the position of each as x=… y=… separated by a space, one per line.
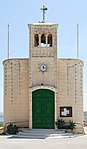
x=43 y=107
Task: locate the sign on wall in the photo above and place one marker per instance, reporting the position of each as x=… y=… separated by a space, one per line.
x=65 y=111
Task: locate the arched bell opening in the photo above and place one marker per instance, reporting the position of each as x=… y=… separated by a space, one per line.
x=49 y=40
x=43 y=40
x=36 y=40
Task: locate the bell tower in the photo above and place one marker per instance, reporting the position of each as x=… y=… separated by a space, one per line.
x=43 y=38
x=42 y=52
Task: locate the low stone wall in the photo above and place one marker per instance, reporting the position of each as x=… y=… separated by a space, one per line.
x=85 y=123
x=1 y=130
x=78 y=129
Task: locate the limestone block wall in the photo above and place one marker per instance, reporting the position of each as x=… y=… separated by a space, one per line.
x=70 y=87
x=16 y=85
x=37 y=77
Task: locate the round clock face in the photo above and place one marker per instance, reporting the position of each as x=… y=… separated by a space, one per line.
x=43 y=67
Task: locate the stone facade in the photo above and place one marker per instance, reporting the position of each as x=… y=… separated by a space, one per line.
x=16 y=103
x=70 y=87
x=23 y=76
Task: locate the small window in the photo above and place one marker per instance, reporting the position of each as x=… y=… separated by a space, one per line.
x=43 y=40
x=49 y=42
x=36 y=40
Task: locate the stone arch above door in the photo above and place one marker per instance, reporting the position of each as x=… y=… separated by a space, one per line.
x=43 y=87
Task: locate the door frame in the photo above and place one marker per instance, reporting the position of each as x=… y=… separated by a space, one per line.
x=41 y=110
x=30 y=102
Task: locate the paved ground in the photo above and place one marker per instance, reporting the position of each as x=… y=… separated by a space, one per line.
x=55 y=142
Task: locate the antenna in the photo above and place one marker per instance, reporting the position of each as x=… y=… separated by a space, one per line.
x=77 y=41
x=44 y=9
x=8 y=41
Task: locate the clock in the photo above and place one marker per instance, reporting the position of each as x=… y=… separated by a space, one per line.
x=43 y=68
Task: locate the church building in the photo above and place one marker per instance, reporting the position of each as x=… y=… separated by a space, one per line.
x=43 y=88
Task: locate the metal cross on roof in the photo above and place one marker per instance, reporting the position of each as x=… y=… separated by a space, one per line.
x=44 y=9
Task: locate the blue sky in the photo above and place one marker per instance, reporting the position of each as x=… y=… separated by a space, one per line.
x=66 y=13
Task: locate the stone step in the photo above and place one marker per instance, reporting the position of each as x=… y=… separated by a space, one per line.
x=41 y=133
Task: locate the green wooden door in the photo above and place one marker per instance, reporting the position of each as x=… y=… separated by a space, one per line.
x=43 y=109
